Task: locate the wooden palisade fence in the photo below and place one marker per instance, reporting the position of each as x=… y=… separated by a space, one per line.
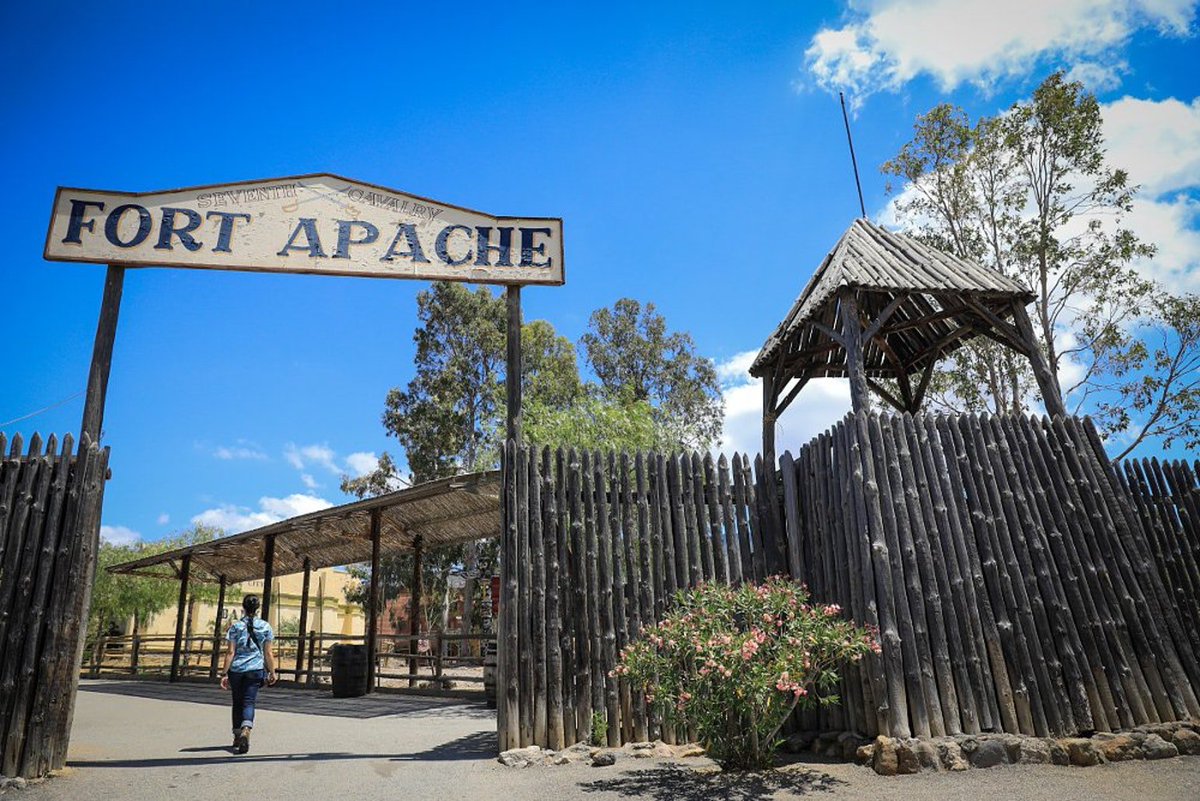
x=1017 y=583
x=1021 y=583
x=601 y=541
x=50 y=504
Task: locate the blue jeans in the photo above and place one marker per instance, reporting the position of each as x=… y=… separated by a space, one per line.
x=245 y=692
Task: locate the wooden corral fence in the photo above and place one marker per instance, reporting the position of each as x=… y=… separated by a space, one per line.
x=602 y=541
x=1020 y=581
x=1016 y=581
x=50 y=504
x=435 y=659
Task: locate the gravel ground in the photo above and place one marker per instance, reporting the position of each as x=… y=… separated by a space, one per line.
x=152 y=741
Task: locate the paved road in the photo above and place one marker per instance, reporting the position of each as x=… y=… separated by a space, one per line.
x=152 y=741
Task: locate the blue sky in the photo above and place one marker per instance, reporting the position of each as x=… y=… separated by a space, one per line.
x=694 y=151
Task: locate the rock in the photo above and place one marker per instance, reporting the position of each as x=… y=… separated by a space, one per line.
x=521 y=757
x=646 y=746
x=13 y=783
x=989 y=753
x=580 y=748
x=604 y=759
x=1118 y=747
x=865 y=754
x=849 y=742
x=798 y=742
x=1083 y=752
x=1059 y=755
x=886 y=761
x=906 y=757
x=689 y=751
x=927 y=755
x=1012 y=746
x=1155 y=747
x=1186 y=741
x=827 y=743
x=1032 y=751
x=662 y=750
x=951 y=756
x=561 y=759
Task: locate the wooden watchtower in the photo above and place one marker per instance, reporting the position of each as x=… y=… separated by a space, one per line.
x=884 y=306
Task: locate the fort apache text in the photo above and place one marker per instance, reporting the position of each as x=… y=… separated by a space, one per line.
x=130 y=225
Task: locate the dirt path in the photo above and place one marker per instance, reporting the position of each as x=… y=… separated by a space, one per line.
x=140 y=741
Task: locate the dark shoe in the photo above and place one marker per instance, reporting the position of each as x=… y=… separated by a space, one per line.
x=241 y=743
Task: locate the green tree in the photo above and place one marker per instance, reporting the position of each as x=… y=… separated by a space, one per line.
x=449 y=418
x=637 y=360
x=116 y=598
x=595 y=422
x=1031 y=194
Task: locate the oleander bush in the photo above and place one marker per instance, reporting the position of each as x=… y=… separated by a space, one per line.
x=734 y=662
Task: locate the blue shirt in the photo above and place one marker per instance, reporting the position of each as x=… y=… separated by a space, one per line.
x=247 y=655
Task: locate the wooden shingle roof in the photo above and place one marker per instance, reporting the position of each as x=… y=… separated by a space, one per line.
x=443 y=512
x=928 y=285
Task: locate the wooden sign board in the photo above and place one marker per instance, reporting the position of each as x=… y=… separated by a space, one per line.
x=305 y=224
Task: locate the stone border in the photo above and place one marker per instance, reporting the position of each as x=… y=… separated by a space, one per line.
x=890 y=756
x=594 y=756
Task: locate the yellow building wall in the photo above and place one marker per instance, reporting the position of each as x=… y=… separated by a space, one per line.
x=328 y=611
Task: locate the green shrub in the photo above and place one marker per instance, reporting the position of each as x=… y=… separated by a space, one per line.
x=735 y=662
x=599 y=729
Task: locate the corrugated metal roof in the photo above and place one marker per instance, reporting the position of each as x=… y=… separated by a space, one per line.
x=870 y=257
x=443 y=512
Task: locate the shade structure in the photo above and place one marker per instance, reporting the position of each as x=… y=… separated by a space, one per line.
x=928 y=301
x=885 y=306
x=437 y=513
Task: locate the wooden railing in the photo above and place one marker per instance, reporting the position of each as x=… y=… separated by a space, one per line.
x=446 y=661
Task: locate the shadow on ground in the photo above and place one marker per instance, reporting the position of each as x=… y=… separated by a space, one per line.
x=184 y=761
x=676 y=783
x=304 y=702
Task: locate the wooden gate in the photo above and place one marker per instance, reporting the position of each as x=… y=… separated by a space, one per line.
x=50 y=503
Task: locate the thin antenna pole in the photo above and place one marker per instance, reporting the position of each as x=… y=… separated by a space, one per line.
x=861 y=206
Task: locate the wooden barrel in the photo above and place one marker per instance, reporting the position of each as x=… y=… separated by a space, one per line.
x=348 y=664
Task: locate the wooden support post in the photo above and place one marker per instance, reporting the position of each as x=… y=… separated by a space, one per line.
x=268 y=577
x=217 y=631
x=1046 y=379
x=308 y=669
x=414 y=620
x=512 y=373
x=373 y=603
x=507 y=684
x=860 y=392
x=303 y=616
x=180 y=611
x=106 y=334
x=135 y=653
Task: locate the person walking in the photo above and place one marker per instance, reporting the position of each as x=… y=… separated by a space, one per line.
x=249 y=664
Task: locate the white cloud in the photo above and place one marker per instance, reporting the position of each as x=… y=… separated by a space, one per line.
x=361 y=462
x=300 y=457
x=886 y=43
x=231 y=452
x=1158 y=143
x=235 y=519
x=1098 y=77
x=119 y=535
x=163 y=519
x=308 y=481
x=818 y=406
